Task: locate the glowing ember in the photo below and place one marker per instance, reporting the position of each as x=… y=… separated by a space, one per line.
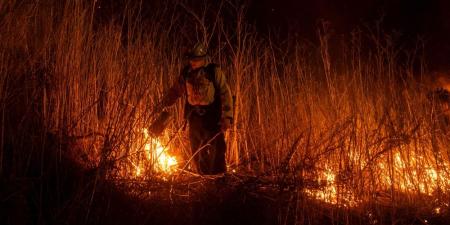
x=330 y=193
x=138 y=171
x=437 y=210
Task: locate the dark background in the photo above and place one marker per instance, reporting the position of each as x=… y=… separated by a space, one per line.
x=409 y=16
x=411 y=19
x=428 y=20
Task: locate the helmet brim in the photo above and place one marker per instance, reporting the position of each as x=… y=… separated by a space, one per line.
x=195 y=57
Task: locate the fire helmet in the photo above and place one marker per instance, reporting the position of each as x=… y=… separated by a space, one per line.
x=199 y=51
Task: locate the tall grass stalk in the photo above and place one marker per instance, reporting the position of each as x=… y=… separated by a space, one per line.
x=352 y=109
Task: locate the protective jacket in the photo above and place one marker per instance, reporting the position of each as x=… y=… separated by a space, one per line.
x=204 y=87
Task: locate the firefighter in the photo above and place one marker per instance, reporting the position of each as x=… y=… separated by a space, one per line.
x=208 y=109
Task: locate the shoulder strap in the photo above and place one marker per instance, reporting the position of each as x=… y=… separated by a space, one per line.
x=211 y=72
x=211 y=76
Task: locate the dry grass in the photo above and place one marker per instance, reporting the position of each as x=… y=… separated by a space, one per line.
x=350 y=115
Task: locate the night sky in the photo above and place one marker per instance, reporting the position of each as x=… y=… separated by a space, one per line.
x=427 y=19
x=409 y=16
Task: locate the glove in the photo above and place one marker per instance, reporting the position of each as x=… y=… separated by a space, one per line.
x=225 y=124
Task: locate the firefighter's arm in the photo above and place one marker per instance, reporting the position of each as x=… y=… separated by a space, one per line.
x=175 y=92
x=225 y=95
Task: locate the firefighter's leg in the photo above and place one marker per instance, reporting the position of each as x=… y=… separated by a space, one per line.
x=206 y=150
x=216 y=150
x=199 y=144
x=204 y=154
x=196 y=143
x=218 y=155
x=212 y=155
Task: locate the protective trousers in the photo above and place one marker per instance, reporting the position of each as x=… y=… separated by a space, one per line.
x=207 y=143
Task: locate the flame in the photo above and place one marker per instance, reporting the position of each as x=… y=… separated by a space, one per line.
x=137 y=168
x=155 y=150
x=330 y=192
x=149 y=156
x=418 y=175
x=404 y=171
x=138 y=171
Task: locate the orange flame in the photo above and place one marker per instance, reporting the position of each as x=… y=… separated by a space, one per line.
x=407 y=173
x=156 y=157
x=164 y=162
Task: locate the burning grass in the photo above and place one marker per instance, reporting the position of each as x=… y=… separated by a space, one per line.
x=355 y=127
x=149 y=155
